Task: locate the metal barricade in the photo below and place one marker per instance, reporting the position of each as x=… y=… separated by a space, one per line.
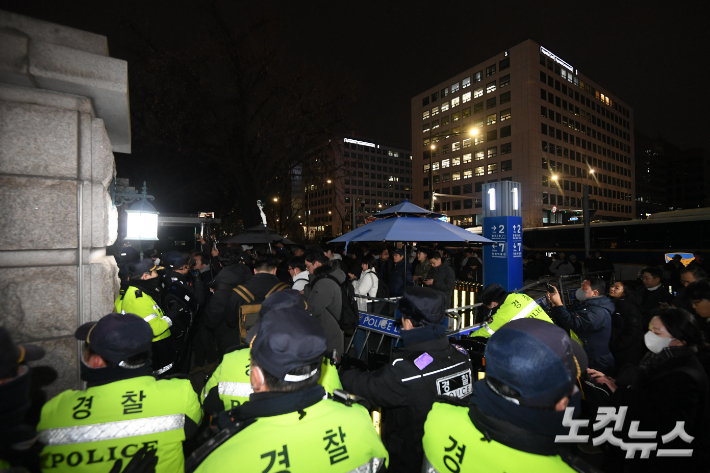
x=389 y=327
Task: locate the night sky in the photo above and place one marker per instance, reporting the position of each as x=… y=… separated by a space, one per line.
x=651 y=55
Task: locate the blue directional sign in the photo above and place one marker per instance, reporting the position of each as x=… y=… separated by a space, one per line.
x=379 y=324
x=503 y=261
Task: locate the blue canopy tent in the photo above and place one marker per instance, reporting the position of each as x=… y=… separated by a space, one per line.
x=407 y=222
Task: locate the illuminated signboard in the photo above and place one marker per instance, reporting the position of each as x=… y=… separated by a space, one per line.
x=364 y=143
x=559 y=61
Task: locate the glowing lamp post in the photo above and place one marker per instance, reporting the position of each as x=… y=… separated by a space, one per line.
x=142 y=221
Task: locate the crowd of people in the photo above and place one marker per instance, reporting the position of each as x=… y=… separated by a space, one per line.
x=233 y=359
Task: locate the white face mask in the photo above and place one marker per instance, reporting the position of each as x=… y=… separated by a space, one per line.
x=656 y=343
x=580 y=295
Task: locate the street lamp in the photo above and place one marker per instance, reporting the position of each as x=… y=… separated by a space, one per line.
x=276 y=199
x=329 y=181
x=142 y=221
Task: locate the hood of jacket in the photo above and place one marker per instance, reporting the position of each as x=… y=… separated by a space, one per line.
x=234 y=275
x=328 y=269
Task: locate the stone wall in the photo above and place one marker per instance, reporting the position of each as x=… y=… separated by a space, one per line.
x=63 y=111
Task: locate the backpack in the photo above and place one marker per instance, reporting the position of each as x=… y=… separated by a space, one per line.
x=349 y=313
x=249 y=312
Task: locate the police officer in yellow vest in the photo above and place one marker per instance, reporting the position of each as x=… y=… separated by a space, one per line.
x=229 y=386
x=515 y=413
x=288 y=423
x=143 y=298
x=123 y=409
x=507 y=306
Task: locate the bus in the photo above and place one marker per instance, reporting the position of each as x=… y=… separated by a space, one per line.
x=629 y=244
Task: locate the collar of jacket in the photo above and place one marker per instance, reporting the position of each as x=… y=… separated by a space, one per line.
x=270 y=404
x=436 y=344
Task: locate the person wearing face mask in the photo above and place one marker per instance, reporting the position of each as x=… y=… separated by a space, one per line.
x=626 y=341
x=141 y=298
x=123 y=407
x=511 y=420
x=667 y=387
x=590 y=321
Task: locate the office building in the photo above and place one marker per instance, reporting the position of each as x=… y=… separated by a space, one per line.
x=365 y=176
x=529 y=116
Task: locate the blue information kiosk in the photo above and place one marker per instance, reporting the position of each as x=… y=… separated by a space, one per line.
x=503 y=223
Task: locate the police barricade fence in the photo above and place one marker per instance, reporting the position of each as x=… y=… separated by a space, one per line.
x=388 y=328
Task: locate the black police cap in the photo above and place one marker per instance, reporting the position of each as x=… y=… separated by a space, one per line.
x=116 y=337
x=493 y=293
x=288 y=339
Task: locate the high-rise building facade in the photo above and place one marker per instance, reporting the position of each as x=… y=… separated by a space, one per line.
x=524 y=115
x=365 y=177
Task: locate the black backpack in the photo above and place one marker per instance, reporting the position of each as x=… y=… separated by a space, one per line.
x=349 y=313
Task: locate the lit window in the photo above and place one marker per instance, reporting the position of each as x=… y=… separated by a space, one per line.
x=425 y=115
x=435 y=124
x=478 y=140
x=478 y=92
x=467 y=158
x=435 y=166
x=491 y=119
x=478 y=76
x=491 y=87
x=444 y=106
x=425 y=127
x=466 y=82
x=426 y=167
x=492 y=168
x=455 y=116
x=467 y=142
x=493 y=152
x=456 y=161
x=466 y=97
x=445 y=163
x=467 y=174
x=456 y=176
x=505 y=114
x=504 y=81
x=480 y=171
x=454 y=87
x=480 y=155
x=454 y=102
x=434 y=111
x=456 y=146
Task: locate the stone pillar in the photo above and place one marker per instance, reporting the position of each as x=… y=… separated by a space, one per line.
x=63 y=111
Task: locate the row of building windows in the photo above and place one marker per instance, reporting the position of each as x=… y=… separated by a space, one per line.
x=467 y=81
x=491 y=152
x=571 y=78
x=360 y=165
x=466 y=97
x=399 y=195
x=552 y=82
x=372 y=150
x=490 y=135
x=491 y=168
x=378 y=159
x=551 y=98
x=590 y=161
x=581 y=143
x=489 y=120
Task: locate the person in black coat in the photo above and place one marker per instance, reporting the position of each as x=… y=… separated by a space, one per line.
x=219 y=311
x=626 y=342
x=405 y=389
x=669 y=386
x=655 y=295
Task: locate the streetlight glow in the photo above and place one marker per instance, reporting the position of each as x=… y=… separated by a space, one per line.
x=328 y=181
x=433 y=147
x=474 y=131
x=276 y=199
x=554 y=178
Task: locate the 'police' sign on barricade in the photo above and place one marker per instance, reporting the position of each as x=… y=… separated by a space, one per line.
x=379 y=324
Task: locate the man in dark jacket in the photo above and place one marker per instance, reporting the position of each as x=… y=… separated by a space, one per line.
x=384 y=264
x=655 y=294
x=441 y=276
x=427 y=367
x=234 y=272
x=324 y=296
x=397 y=275
x=590 y=321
